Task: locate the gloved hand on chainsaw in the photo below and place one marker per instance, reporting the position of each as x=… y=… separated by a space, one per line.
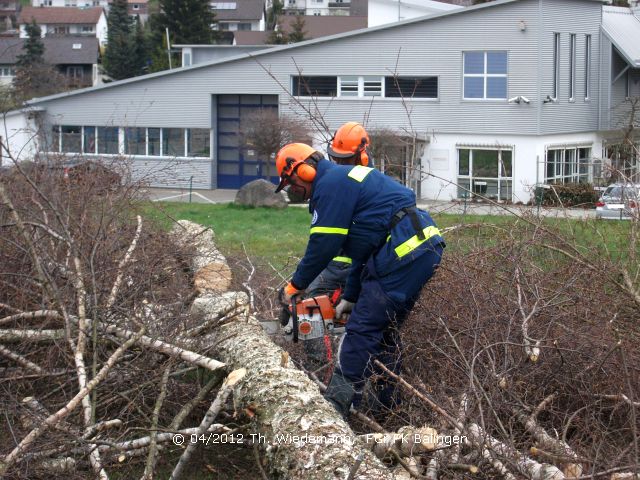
x=344 y=309
x=287 y=292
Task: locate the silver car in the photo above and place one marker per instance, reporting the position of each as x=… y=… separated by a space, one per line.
x=619 y=201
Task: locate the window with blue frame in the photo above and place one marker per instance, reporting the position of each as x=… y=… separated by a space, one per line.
x=485 y=75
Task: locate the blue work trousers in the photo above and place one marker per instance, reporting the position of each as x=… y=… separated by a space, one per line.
x=383 y=305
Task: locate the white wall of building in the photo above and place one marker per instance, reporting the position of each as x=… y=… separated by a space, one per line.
x=388 y=11
x=18 y=133
x=440 y=160
x=98 y=30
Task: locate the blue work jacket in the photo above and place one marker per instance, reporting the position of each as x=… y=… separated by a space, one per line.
x=351 y=209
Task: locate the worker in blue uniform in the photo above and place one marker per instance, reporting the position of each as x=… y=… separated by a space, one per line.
x=395 y=248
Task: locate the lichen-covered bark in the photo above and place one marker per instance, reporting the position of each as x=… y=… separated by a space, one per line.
x=303 y=437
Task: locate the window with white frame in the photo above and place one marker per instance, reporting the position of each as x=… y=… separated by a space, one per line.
x=71 y=138
x=486 y=172
x=135 y=141
x=587 y=67
x=89 y=140
x=360 y=86
x=568 y=165
x=7 y=72
x=556 y=65
x=572 y=67
x=165 y=142
x=485 y=75
x=108 y=142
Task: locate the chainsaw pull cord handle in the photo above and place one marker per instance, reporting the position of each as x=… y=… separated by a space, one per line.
x=294 y=317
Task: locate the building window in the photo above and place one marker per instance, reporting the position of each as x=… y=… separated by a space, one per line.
x=7 y=72
x=75 y=73
x=485 y=75
x=55 y=139
x=135 y=141
x=352 y=86
x=88 y=139
x=587 y=67
x=411 y=87
x=485 y=172
x=108 y=140
x=244 y=27
x=173 y=142
x=154 y=141
x=556 y=65
x=568 y=165
x=365 y=86
x=198 y=142
x=186 y=59
x=86 y=29
x=572 y=67
x=63 y=30
x=314 y=86
x=71 y=139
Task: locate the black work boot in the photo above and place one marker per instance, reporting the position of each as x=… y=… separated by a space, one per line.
x=340 y=392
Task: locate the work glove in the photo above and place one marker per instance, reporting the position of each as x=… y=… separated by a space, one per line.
x=287 y=292
x=344 y=309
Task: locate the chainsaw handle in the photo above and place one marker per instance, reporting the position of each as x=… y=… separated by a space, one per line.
x=294 y=317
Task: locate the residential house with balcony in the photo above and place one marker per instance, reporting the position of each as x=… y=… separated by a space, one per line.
x=66 y=21
x=542 y=99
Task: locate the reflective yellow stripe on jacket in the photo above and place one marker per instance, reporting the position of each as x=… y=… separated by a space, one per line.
x=358 y=173
x=414 y=242
x=342 y=260
x=333 y=230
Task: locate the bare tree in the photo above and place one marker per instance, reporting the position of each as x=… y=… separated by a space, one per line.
x=266 y=132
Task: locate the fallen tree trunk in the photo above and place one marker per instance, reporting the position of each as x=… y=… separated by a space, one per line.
x=302 y=435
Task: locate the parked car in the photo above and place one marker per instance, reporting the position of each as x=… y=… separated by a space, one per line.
x=620 y=201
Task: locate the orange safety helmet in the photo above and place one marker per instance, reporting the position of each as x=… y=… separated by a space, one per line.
x=350 y=140
x=291 y=158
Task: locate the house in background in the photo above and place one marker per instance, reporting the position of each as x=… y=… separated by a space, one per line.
x=541 y=99
x=388 y=11
x=8 y=14
x=70 y=3
x=356 y=8
x=66 y=21
x=75 y=58
x=135 y=8
x=236 y=15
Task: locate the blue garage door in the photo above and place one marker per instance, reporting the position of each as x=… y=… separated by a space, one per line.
x=237 y=163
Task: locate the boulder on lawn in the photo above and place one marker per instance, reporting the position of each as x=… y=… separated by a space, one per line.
x=259 y=193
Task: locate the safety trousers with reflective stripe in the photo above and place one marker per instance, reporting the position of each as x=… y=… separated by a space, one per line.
x=382 y=306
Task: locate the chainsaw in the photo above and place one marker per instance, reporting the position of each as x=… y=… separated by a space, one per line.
x=310 y=318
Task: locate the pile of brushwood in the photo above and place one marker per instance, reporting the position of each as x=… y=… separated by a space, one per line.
x=521 y=357
x=101 y=363
x=529 y=348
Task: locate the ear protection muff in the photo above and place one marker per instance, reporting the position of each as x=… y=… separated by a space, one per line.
x=364 y=157
x=306 y=172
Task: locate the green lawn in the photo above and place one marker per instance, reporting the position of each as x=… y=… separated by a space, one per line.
x=280 y=236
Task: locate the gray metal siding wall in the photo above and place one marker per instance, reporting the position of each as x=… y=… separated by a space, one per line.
x=174 y=173
x=426 y=48
x=567 y=17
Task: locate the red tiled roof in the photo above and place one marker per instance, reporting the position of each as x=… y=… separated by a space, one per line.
x=60 y=15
